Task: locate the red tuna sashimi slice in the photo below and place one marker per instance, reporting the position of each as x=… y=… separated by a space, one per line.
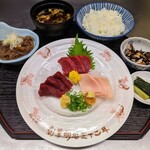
x=46 y=90
x=55 y=85
x=67 y=65
x=52 y=81
x=78 y=62
x=99 y=85
x=86 y=63
x=63 y=79
x=82 y=64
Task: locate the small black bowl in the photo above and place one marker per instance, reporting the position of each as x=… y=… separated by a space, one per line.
x=52 y=29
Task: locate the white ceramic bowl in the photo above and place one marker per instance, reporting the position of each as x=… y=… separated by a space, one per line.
x=127 y=19
x=5 y=29
x=145 y=75
x=139 y=43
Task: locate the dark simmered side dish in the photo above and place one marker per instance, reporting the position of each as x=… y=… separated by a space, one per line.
x=12 y=49
x=53 y=16
x=137 y=56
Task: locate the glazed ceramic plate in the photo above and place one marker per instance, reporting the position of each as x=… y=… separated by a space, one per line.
x=146 y=76
x=45 y=116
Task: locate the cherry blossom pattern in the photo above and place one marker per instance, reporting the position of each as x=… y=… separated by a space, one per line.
x=123 y=83
x=118 y=113
x=45 y=53
x=35 y=115
x=106 y=55
x=27 y=79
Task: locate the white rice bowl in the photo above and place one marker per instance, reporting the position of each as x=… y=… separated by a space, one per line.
x=116 y=23
x=103 y=22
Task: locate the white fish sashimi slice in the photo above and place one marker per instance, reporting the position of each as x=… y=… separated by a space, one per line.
x=98 y=84
x=104 y=87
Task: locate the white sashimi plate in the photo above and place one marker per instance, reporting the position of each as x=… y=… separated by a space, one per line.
x=45 y=116
x=145 y=75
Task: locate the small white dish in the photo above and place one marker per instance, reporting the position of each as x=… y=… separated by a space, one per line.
x=139 y=43
x=146 y=76
x=6 y=29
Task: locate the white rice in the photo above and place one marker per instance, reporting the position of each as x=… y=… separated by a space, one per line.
x=103 y=22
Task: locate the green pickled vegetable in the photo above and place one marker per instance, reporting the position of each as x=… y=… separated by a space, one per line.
x=142 y=94
x=143 y=85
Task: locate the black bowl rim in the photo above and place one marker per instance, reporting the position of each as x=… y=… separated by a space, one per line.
x=33 y=8
x=104 y=37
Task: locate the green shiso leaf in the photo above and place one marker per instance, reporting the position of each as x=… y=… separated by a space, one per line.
x=81 y=49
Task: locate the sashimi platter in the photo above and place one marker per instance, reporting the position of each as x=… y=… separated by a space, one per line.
x=74 y=92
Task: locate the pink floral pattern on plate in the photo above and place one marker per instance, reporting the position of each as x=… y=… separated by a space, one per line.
x=118 y=113
x=27 y=79
x=106 y=55
x=35 y=115
x=45 y=53
x=123 y=83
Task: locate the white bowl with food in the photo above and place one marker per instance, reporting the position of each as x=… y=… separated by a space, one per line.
x=104 y=21
x=16 y=44
x=135 y=51
x=141 y=82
